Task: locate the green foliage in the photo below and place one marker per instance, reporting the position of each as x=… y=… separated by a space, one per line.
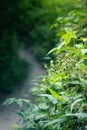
x=62 y=102
x=67 y=110
x=27 y=22
x=38 y=18
x=61 y=95
x=15 y=100
x=12 y=69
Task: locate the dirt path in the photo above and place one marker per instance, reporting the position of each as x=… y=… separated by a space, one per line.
x=8 y=116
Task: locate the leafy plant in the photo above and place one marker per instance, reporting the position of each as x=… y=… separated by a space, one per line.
x=64 y=83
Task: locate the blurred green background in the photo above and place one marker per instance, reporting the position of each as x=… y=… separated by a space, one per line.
x=32 y=24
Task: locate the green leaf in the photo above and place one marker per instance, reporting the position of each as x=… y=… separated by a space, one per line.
x=74 y=103
x=21 y=114
x=57 y=49
x=39 y=114
x=53 y=50
x=43 y=106
x=56 y=95
x=50 y=97
x=60 y=120
x=18 y=101
x=83 y=81
x=68 y=36
x=79 y=115
x=9 y=101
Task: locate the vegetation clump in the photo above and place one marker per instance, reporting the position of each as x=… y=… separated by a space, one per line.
x=62 y=92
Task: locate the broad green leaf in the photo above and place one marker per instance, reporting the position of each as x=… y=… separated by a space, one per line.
x=68 y=36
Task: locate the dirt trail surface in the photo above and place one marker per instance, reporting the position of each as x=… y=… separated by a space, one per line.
x=8 y=116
